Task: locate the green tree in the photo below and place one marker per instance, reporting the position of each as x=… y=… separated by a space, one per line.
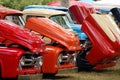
x=20 y=4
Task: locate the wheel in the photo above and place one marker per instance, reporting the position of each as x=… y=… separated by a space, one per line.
x=47 y=75
x=82 y=63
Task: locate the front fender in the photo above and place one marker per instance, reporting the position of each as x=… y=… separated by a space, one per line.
x=9 y=59
x=50 y=56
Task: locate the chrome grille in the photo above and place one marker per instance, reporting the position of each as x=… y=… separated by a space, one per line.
x=29 y=60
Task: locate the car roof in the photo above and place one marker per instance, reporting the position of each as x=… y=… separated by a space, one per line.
x=8 y=11
x=47 y=7
x=43 y=12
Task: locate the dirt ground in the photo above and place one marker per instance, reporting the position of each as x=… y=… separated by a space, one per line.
x=112 y=73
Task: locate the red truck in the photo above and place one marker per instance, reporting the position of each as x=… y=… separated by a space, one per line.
x=20 y=51
x=103 y=48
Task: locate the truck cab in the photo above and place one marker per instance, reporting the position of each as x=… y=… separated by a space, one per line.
x=69 y=19
x=12 y=15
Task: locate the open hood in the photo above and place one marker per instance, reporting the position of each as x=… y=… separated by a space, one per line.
x=80 y=12
x=52 y=30
x=18 y=35
x=104 y=35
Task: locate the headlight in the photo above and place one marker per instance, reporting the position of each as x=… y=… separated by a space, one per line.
x=22 y=63
x=38 y=62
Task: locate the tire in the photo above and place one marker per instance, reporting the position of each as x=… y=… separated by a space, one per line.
x=81 y=62
x=47 y=75
x=83 y=65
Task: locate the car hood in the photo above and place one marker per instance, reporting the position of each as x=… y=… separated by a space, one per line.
x=80 y=12
x=52 y=30
x=104 y=35
x=15 y=33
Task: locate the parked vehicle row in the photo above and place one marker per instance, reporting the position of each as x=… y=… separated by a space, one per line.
x=80 y=13
x=35 y=41
x=61 y=46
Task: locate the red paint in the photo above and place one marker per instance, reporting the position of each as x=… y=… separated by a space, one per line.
x=80 y=12
x=104 y=50
x=9 y=57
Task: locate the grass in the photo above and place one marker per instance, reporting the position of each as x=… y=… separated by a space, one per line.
x=105 y=74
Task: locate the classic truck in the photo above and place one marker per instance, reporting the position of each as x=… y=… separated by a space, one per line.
x=61 y=46
x=20 y=51
x=104 y=39
x=89 y=58
x=57 y=16
x=102 y=59
x=70 y=22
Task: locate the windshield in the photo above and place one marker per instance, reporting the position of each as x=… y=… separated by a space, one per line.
x=61 y=20
x=18 y=19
